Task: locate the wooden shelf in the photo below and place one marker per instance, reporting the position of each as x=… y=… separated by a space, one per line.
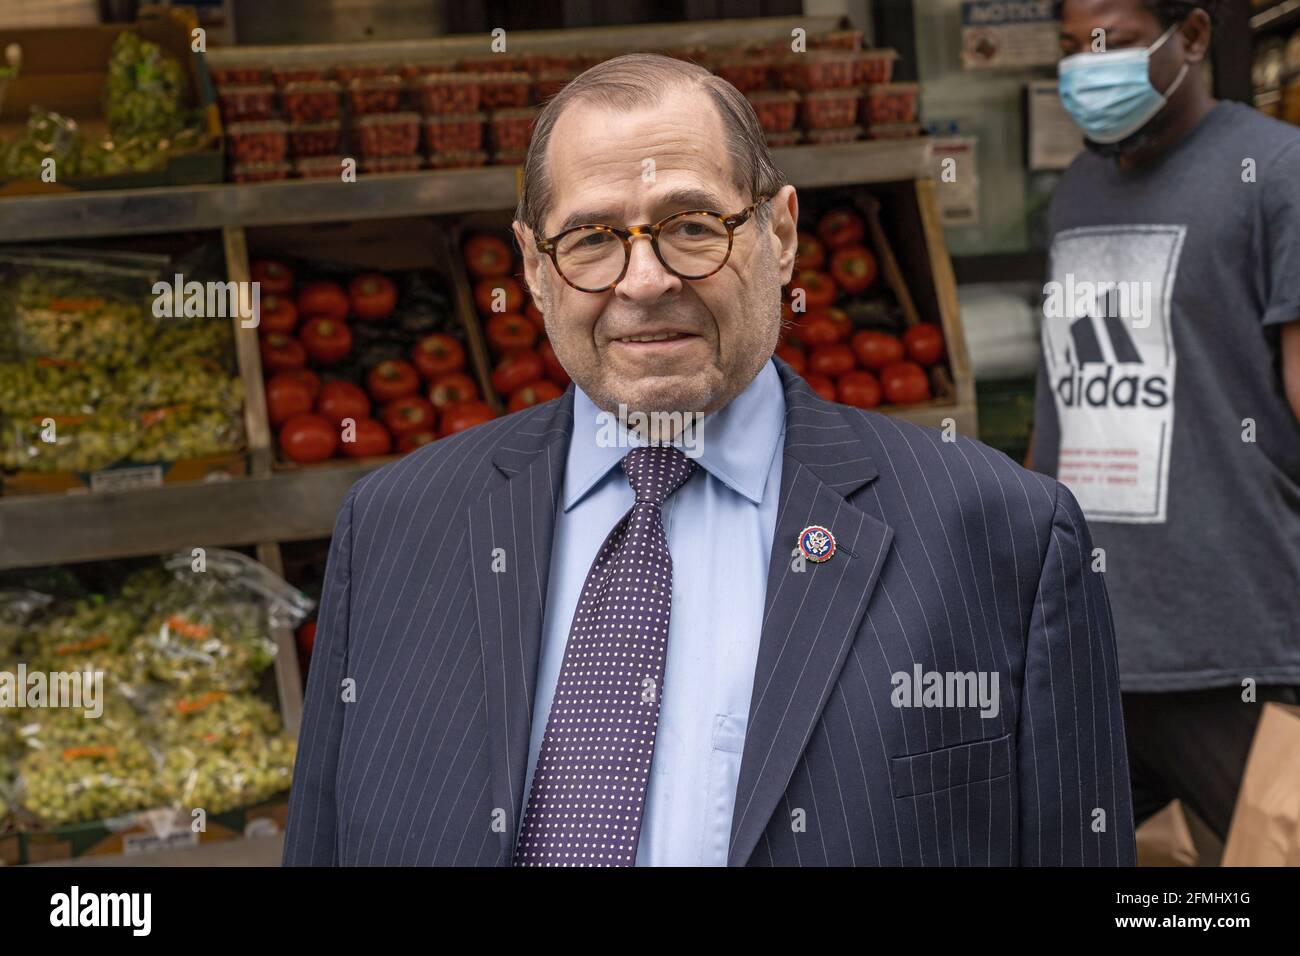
x=86 y=215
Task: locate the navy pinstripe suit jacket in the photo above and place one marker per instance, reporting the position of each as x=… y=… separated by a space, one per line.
x=416 y=728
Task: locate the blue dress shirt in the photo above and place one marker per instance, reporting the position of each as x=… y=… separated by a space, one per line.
x=719 y=525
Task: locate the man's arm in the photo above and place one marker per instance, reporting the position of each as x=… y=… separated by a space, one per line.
x=1291 y=364
x=1075 y=802
x=312 y=831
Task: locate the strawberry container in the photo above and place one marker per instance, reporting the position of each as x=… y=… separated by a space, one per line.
x=745 y=73
x=448 y=92
x=504 y=91
x=817 y=70
x=282 y=77
x=838 y=40
x=356 y=71
x=890 y=103
x=263 y=141
x=259 y=172
x=454 y=132
x=459 y=159
x=512 y=129
x=412 y=72
x=382 y=135
x=493 y=63
x=368 y=95
x=830 y=109
x=315 y=139
x=239 y=75
x=776 y=109
x=311 y=102
x=240 y=103
x=842 y=134
x=318 y=167
x=874 y=66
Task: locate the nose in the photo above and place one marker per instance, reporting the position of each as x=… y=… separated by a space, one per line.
x=646 y=280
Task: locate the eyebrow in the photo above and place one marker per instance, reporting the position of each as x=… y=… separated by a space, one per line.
x=678 y=200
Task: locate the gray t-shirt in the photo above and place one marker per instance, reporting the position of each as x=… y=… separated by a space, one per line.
x=1160 y=399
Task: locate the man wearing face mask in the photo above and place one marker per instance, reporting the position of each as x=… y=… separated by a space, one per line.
x=1169 y=390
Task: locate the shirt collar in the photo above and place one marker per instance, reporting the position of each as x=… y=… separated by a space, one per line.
x=736 y=442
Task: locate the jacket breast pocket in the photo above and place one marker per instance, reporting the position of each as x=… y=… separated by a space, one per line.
x=948 y=767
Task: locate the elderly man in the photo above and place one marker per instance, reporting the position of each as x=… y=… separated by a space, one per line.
x=786 y=632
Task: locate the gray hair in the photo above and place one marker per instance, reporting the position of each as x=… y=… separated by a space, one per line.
x=637 y=80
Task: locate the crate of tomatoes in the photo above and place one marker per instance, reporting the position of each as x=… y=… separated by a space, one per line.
x=850 y=327
x=524 y=369
x=361 y=364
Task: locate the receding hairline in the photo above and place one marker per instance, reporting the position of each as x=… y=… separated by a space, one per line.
x=641 y=81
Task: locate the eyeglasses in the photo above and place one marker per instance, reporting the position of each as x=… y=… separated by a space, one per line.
x=691 y=245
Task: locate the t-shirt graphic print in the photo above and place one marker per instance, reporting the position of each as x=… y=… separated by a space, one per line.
x=1109 y=350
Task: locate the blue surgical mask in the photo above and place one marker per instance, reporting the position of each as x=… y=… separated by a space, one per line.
x=1109 y=95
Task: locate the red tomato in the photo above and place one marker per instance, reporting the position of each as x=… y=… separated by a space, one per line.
x=325 y=299
x=817 y=329
x=831 y=360
x=307 y=637
x=875 y=350
x=508 y=330
x=372 y=296
x=924 y=343
x=854 y=268
x=554 y=370
x=452 y=389
x=858 y=388
x=485 y=294
x=326 y=340
x=308 y=378
x=277 y=314
x=437 y=354
x=340 y=400
x=272 y=276
x=306 y=438
x=822 y=386
x=516 y=370
x=534 y=393
x=535 y=315
x=409 y=415
x=841 y=227
x=793 y=356
x=408 y=443
x=369 y=438
x=811 y=254
x=904 y=383
x=281 y=353
x=487 y=256
x=392 y=380
x=286 y=396
x=466 y=415
x=819 y=289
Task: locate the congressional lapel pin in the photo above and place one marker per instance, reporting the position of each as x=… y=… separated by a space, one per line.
x=817 y=543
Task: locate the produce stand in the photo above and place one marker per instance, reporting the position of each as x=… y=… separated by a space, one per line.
x=413 y=220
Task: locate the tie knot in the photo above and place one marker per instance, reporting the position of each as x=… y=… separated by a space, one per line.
x=656 y=471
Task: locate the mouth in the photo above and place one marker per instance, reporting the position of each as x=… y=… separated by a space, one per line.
x=664 y=342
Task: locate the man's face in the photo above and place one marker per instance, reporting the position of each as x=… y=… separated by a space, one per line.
x=1124 y=24
x=630 y=168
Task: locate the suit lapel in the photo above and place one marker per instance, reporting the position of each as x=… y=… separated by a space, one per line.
x=810 y=615
x=517 y=514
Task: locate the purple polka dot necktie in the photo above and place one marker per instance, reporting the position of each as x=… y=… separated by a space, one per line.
x=589 y=786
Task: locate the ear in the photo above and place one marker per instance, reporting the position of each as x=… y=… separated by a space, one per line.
x=1196 y=31
x=785 y=229
x=524 y=236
